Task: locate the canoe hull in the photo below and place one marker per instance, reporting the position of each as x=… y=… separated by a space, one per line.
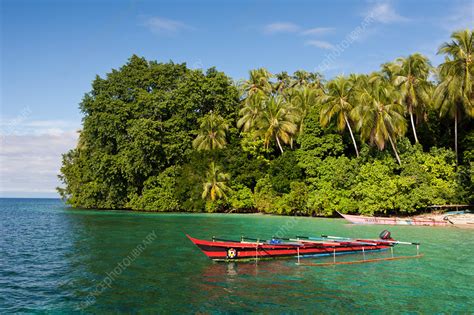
x=360 y=219
x=227 y=251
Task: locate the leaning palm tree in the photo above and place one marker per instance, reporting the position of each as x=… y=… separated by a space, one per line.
x=379 y=116
x=212 y=133
x=215 y=186
x=455 y=93
x=339 y=102
x=277 y=122
x=410 y=75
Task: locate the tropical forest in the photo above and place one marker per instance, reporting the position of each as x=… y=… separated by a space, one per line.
x=164 y=137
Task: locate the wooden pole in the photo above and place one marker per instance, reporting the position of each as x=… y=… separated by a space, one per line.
x=256 y=251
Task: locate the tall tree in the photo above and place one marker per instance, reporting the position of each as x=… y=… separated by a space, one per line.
x=379 y=116
x=250 y=112
x=455 y=93
x=215 y=186
x=302 y=100
x=212 y=133
x=303 y=78
x=138 y=121
x=258 y=83
x=277 y=122
x=410 y=75
x=283 y=82
x=338 y=102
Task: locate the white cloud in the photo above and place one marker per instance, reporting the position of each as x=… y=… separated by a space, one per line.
x=24 y=126
x=383 y=12
x=317 y=31
x=30 y=163
x=30 y=154
x=160 y=25
x=280 y=27
x=319 y=44
x=288 y=27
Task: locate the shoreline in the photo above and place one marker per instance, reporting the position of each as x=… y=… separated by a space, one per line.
x=433 y=216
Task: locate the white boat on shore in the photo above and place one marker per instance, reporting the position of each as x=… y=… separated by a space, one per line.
x=360 y=219
x=460 y=219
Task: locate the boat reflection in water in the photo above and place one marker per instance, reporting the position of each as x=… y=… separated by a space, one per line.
x=222 y=283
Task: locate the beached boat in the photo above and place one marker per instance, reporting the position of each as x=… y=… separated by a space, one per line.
x=360 y=219
x=460 y=218
x=300 y=246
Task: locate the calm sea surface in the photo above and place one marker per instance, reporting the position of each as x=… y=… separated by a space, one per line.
x=56 y=259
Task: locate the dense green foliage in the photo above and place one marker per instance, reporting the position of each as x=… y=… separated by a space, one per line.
x=162 y=137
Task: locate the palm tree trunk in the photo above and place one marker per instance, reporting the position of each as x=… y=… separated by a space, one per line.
x=413 y=127
x=456 y=133
x=394 y=149
x=279 y=145
x=352 y=135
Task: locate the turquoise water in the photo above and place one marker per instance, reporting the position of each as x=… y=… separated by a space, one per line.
x=56 y=259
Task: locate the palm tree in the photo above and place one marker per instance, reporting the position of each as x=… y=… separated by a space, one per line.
x=283 y=82
x=339 y=102
x=250 y=112
x=379 y=116
x=302 y=100
x=316 y=80
x=303 y=78
x=277 y=121
x=410 y=75
x=258 y=83
x=212 y=133
x=389 y=69
x=455 y=92
x=215 y=186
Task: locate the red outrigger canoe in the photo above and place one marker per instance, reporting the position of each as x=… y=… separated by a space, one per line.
x=227 y=250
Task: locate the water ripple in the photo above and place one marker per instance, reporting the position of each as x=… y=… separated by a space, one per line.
x=53 y=258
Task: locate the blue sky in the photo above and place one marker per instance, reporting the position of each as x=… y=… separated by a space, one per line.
x=52 y=50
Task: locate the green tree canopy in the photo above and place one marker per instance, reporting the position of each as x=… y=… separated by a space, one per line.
x=163 y=137
x=138 y=121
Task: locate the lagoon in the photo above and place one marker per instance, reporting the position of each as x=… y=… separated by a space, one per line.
x=54 y=258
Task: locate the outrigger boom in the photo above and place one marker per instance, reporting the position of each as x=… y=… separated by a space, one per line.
x=389 y=241
x=299 y=247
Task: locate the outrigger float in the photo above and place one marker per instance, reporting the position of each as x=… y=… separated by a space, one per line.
x=300 y=247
